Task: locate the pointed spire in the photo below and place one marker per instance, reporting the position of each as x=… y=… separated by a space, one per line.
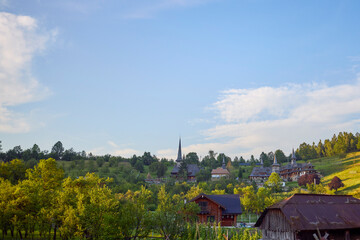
x=148 y=176
x=179 y=157
x=293 y=157
x=261 y=161
x=223 y=163
x=275 y=166
x=275 y=160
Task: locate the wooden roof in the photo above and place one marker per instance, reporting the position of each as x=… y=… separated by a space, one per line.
x=220 y=170
x=318 y=211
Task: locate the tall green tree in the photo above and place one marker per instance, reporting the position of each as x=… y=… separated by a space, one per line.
x=57 y=150
x=192 y=158
x=122 y=225
x=171 y=214
x=274 y=182
x=280 y=156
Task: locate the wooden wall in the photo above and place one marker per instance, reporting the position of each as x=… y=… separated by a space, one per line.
x=216 y=211
x=275 y=226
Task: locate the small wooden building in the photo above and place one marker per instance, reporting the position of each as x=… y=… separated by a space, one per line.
x=220 y=172
x=218 y=208
x=303 y=215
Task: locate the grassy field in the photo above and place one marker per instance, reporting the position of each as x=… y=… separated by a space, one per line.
x=347 y=168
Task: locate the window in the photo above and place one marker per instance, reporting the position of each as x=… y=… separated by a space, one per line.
x=203 y=206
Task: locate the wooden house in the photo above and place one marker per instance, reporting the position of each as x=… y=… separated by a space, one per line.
x=220 y=172
x=218 y=208
x=303 y=215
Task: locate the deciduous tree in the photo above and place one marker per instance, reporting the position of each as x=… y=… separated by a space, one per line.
x=335 y=183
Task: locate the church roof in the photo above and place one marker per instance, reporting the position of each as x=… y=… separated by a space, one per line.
x=192 y=170
x=261 y=172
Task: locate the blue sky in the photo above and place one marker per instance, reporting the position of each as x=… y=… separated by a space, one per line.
x=125 y=76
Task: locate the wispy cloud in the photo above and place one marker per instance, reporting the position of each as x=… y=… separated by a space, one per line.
x=20 y=41
x=148 y=9
x=118 y=150
x=268 y=118
x=111 y=143
x=126 y=152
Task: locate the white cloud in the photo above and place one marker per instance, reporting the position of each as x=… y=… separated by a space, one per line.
x=111 y=143
x=20 y=41
x=268 y=118
x=148 y=9
x=126 y=152
x=167 y=153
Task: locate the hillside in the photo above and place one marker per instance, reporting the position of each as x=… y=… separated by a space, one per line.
x=347 y=168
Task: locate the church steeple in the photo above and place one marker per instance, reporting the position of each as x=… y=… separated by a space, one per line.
x=223 y=163
x=293 y=157
x=275 y=166
x=179 y=157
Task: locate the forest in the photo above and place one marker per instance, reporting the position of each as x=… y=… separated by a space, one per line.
x=47 y=205
x=63 y=194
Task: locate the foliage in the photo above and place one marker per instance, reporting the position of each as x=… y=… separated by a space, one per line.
x=274 y=182
x=335 y=183
x=121 y=224
x=216 y=232
x=218 y=192
x=318 y=189
x=308 y=179
x=280 y=156
x=13 y=170
x=170 y=215
x=57 y=150
x=339 y=144
x=192 y=158
x=203 y=175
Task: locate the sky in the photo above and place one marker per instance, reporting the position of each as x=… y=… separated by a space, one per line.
x=122 y=77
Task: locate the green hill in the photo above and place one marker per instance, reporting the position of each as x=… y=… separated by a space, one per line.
x=347 y=168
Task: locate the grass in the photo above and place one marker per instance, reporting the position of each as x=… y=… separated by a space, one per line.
x=347 y=168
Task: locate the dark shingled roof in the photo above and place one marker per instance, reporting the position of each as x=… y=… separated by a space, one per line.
x=261 y=172
x=266 y=171
x=312 y=211
x=230 y=202
x=192 y=169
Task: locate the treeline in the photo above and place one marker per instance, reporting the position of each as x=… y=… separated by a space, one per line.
x=46 y=205
x=339 y=144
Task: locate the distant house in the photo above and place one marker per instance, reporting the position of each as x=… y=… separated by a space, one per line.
x=192 y=169
x=303 y=215
x=220 y=172
x=218 y=208
x=151 y=180
x=289 y=172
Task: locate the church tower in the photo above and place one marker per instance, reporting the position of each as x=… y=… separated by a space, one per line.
x=223 y=163
x=293 y=158
x=275 y=166
x=179 y=157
